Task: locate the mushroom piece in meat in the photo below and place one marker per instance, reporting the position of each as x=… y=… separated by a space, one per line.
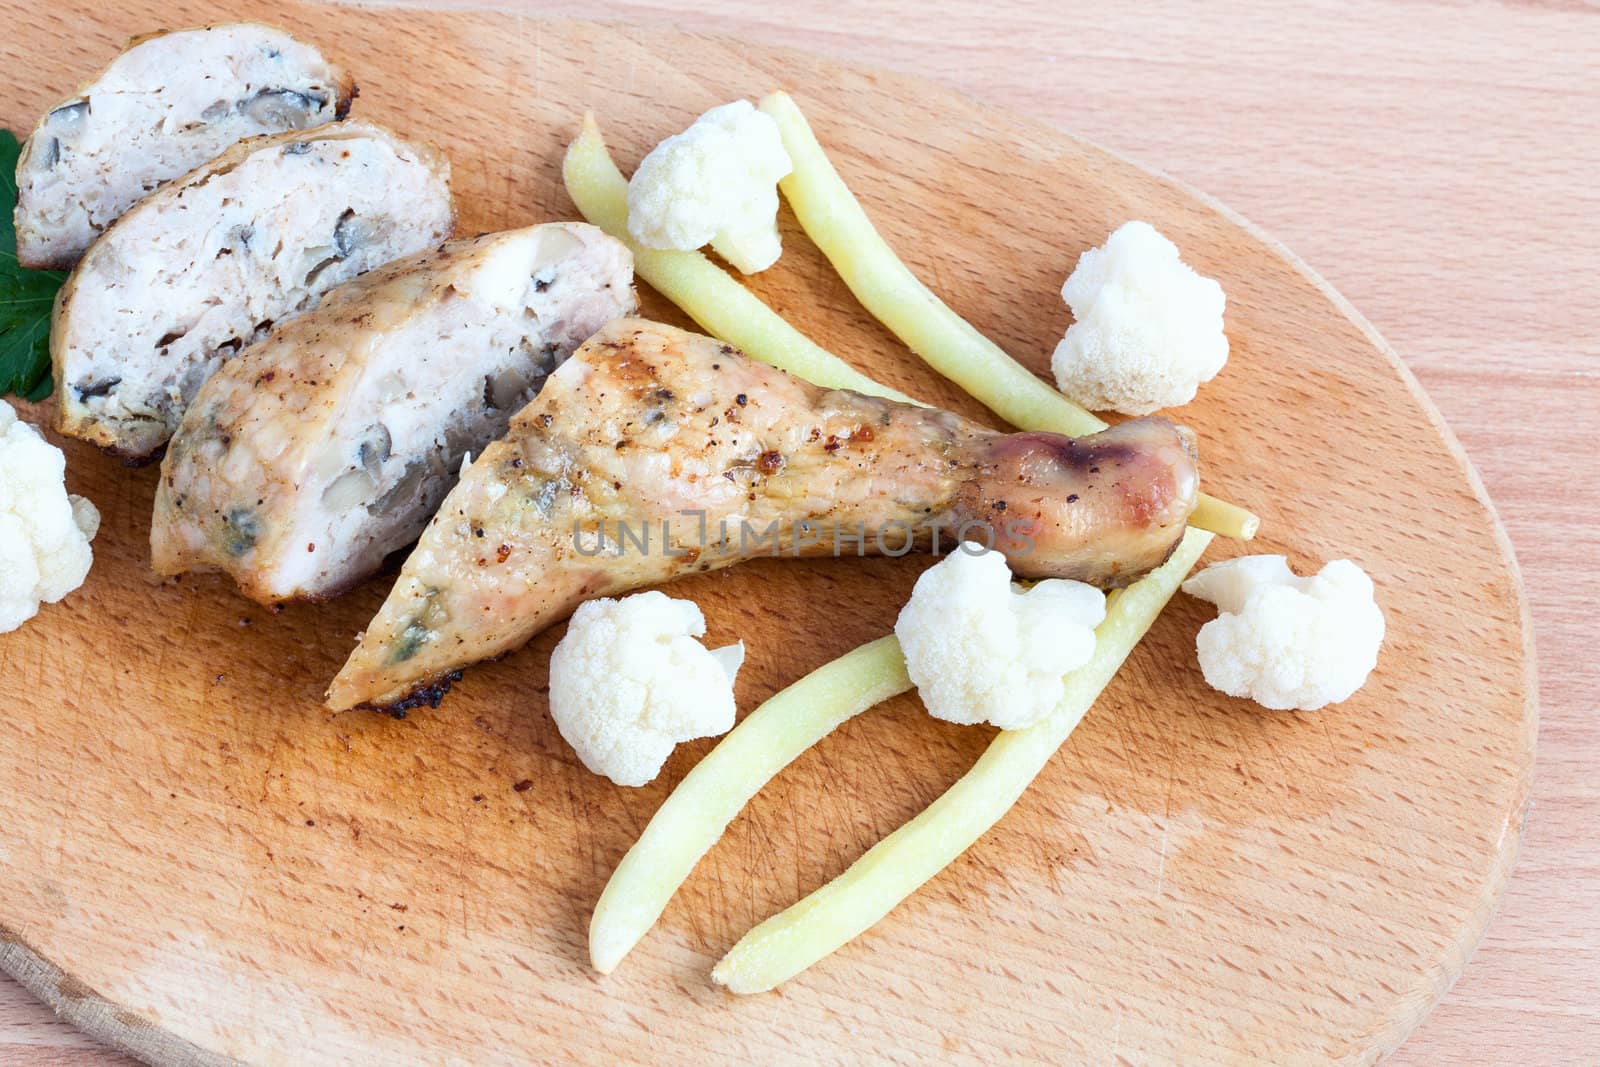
x=283 y=109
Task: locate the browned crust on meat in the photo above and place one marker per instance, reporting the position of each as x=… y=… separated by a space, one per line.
x=428 y=694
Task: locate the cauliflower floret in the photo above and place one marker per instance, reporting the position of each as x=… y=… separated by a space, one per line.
x=715 y=182
x=629 y=681
x=44 y=533
x=983 y=650
x=1283 y=641
x=1147 y=329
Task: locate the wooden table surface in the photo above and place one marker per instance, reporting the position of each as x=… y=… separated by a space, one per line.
x=1436 y=162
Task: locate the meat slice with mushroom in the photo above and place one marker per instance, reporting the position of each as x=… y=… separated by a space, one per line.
x=168 y=103
x=209 y=263
x=316 y=452
x=653 y=453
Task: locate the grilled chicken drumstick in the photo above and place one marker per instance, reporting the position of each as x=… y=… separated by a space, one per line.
x=653 y=452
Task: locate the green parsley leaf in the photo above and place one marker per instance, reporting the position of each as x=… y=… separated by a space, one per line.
x=26 y=297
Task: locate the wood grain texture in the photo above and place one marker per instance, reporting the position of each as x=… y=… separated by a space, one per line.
x=1136 y=740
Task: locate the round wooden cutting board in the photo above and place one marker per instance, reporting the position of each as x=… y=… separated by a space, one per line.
x=198 y=863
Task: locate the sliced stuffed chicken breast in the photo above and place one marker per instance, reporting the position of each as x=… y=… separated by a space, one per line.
x=211 y=262
x=168 y=103
x=316 y=452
